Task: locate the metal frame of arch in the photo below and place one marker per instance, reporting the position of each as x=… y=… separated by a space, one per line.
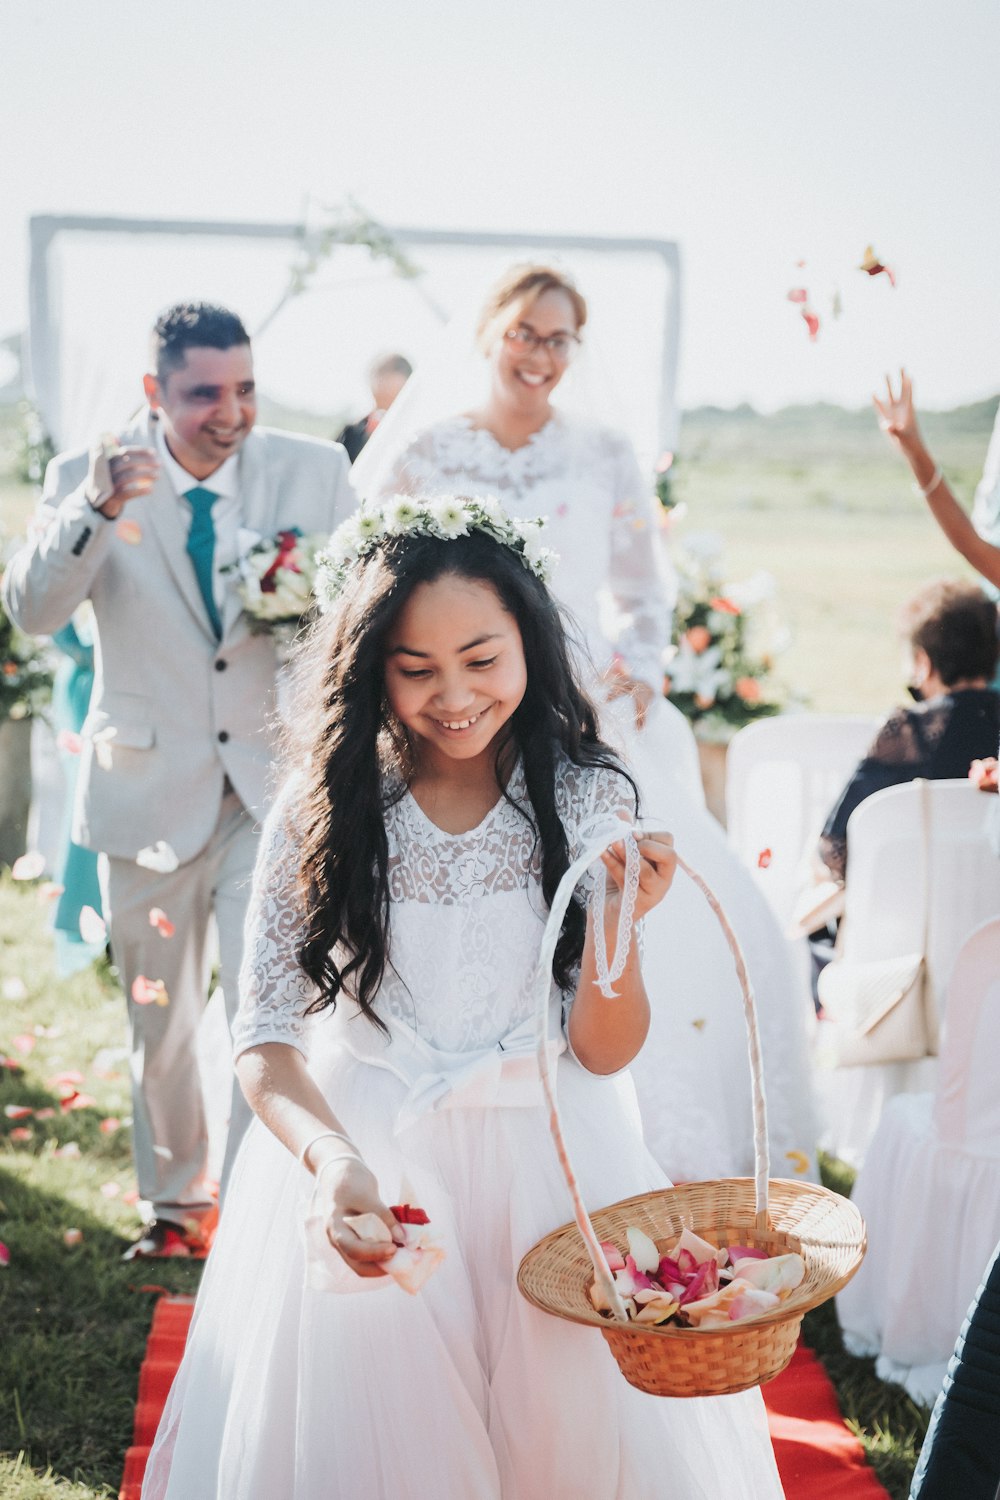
x=43 y=341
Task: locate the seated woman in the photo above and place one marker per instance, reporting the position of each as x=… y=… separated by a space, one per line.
x=951 y=630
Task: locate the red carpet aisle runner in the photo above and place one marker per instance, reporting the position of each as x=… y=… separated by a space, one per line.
x=818 y=1458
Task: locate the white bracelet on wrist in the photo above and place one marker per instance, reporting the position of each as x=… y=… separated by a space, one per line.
x=928 y=489
x=337 y=1135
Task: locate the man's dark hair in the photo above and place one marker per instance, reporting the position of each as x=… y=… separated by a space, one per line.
x=193 y=325
x=390 y=364
x=956 y=625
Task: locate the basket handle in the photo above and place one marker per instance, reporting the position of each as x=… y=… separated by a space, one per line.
x=594 y=847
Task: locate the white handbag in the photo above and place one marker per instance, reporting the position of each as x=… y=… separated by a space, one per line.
x=883 y=1008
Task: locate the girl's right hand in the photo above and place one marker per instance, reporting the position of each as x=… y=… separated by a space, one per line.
x=344 y=1189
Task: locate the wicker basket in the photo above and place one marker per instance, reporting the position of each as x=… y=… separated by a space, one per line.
x=779 y=1216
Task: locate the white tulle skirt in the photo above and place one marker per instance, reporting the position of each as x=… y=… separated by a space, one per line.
x=464 y=1391
x=692 y=1076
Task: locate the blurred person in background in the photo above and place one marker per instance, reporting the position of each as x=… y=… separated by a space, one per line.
x=950 y=633
x=387 y=377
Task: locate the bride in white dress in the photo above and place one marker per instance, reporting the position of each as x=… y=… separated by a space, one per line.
x=517 y=444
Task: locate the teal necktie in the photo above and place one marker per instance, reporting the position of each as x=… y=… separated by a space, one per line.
x=201 y=549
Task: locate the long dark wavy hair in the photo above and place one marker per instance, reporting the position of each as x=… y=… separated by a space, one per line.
x=348 y=739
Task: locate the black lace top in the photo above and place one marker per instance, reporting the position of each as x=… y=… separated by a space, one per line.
x=938 y=740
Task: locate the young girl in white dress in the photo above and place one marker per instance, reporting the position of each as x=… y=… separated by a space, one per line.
x=451 y=767
x=517 y=443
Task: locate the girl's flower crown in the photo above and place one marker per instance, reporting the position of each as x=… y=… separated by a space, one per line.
x=446 y=517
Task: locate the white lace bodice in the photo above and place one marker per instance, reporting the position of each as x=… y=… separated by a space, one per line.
x=466 y=919
x=612 y=574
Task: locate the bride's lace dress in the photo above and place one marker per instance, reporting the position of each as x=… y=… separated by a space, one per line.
x=463 y=1392
x=692 y=1076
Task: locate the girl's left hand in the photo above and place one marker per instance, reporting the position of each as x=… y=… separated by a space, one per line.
x=658 y=864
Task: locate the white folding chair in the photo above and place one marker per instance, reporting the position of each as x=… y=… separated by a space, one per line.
x=783 y=776
x=884 y=919
x=930 y=1190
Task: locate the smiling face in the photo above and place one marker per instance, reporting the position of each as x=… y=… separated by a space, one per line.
x=207 y=406
x=454 y=670
x=525 y=377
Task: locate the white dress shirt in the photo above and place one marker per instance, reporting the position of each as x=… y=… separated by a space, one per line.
x=226 y=510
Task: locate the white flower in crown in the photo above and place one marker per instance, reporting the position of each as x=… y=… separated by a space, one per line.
x=493 y=511
x=449 y=518
x=370 y=524
x=533 y=532
x=401 y=515
x=545 y=564
x=345 y=543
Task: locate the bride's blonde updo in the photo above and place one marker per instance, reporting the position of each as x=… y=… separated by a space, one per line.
x=518 y=289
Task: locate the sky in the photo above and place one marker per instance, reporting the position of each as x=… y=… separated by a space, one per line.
x=756 y=135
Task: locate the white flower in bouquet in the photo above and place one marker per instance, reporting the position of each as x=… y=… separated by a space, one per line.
x=276 y=579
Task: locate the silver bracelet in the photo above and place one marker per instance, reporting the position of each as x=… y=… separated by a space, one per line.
x=928 y=489
x=323 y=1135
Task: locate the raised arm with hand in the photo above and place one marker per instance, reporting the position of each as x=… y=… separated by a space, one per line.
x=83 y=493
x=898 y=421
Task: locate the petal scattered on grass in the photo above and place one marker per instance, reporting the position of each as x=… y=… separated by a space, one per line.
x=45 y=1114
x=18 y=1111
x=4 y=1256
x=25 y=1043
x=72 y=1237
x=77 y=1100
x=111 y=1189
x=65 y=1080
x=132 y=1196
x=30 y=866
x=69 y=1152
x=14 y=988
x=110 y=1125
x=21 y=1133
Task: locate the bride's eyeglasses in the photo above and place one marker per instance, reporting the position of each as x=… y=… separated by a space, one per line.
x=561 y=346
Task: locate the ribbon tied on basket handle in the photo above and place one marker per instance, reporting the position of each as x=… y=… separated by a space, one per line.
x=595 y=840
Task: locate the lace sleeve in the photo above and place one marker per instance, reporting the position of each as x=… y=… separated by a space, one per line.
x=642 y=584
x=589 y=798
x=274 y=992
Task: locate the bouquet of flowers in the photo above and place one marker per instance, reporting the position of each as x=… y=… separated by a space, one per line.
x=275 y=580
x=719 y=672
x=25 y=673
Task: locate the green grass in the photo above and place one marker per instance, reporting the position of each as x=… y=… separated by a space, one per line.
x=75 y=1319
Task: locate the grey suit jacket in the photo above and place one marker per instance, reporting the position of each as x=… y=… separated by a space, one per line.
x=173 y=710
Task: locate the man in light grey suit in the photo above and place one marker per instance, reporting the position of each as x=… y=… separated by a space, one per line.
x=177 y=749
